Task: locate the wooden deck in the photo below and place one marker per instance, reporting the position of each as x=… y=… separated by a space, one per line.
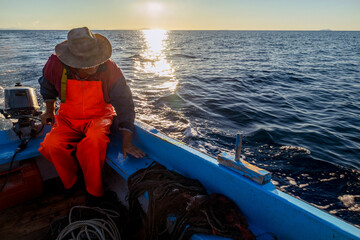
x=31 y=220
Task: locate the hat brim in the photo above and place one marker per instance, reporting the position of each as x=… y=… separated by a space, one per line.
x=102 y=55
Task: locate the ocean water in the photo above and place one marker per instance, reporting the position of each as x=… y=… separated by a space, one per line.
x=295 y=95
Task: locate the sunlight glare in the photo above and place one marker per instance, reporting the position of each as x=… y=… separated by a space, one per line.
x=154 y=60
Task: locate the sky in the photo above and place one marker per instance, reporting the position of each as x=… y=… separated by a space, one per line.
x=181 y=14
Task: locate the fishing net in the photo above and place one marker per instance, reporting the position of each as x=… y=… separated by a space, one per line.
x=179 y=207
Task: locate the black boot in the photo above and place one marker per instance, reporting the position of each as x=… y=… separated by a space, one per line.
x=92 y=201
x=78 y=185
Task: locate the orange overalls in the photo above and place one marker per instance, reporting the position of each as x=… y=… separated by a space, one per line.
x=80 y=134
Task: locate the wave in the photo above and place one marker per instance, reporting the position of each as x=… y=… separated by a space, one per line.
x=138 y=57
x=183 y=56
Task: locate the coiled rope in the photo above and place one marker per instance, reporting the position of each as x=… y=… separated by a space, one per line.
x=96 y=228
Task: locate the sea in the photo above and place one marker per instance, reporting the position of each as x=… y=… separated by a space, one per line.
x=295 y=96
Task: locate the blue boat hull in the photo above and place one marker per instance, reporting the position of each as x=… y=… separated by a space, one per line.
x=267 y=209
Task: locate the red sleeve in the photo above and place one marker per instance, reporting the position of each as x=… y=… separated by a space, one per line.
x=53 y=71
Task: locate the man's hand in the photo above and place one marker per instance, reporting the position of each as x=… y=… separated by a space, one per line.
x=131 y=149
x=49 y=116
x=128 y=147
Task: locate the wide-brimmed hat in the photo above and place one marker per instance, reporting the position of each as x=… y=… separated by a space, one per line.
x=83 y=49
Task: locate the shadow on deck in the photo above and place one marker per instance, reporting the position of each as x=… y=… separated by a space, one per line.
x=31 y=220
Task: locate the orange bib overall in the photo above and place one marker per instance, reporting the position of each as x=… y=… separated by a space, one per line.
x=80 y=135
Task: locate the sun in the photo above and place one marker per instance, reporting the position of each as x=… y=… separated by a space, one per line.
x=154 y=8
x=151 y=14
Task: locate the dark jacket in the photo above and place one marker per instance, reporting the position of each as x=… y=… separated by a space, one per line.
x=115 y=89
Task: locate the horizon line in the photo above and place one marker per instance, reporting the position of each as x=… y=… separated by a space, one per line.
x=140 y=29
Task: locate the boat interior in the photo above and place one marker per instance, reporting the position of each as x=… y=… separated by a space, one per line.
x=45 y=202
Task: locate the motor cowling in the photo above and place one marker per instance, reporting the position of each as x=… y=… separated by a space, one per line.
x=20 y=102
x=21 y=106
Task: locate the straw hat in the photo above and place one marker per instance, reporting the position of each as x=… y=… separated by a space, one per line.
x=83 y=49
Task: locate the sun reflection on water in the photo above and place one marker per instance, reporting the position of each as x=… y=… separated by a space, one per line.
x=153 y=60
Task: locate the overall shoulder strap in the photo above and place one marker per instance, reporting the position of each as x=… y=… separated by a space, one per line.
x=63 y=86
x=64 y=77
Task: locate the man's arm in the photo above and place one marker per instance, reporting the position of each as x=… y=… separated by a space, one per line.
x=52 y=73
x=49 y=94
x=121 y=98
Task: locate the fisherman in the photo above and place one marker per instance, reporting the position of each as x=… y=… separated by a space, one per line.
x=90 y=86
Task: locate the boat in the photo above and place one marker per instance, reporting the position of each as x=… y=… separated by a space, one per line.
x=271 y=213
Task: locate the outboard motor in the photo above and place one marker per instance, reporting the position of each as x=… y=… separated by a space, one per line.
x=21 y=107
